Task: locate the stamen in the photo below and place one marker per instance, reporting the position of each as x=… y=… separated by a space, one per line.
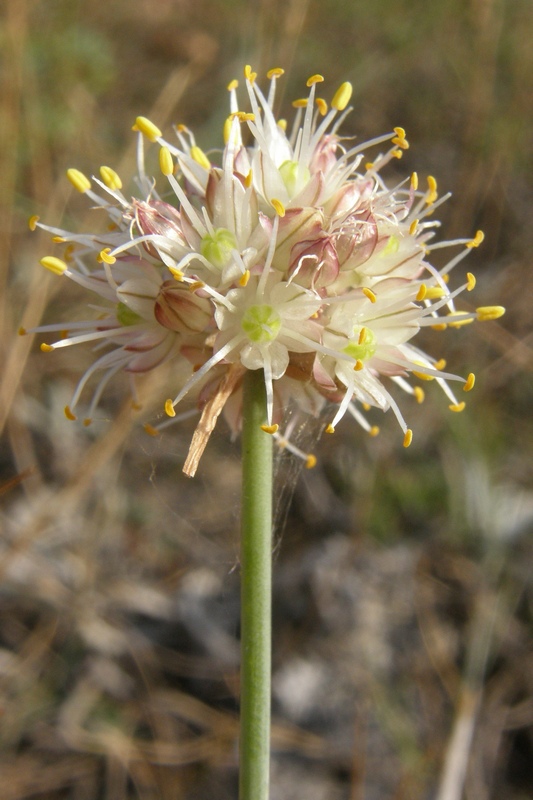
x=147 y=128
x=55 y=265
x=314 y=79
x=270 y=428
x=278 y=207
x=245 y=277
x=249 y=75
x=471 y=281
x=32 y=222
x=470 y=381
x=69 y=415
x=169 y=408
x=408 y=438
x=422 y=292
x=342 y=96
x=370 y=294
x=414 y=181
x=476 y=241
x=457 y=407
x=485 y=313
x=400 y=139
x=46 y=348
x=310 y=461
x=419 y=394
x=198 y=155
x=166 y=162
x=150 y=430
x=432 y=194
x=358 y=365
x=232 y=85
x=300 y=103
x=275 y=72
x=110 y=178
x=413 y=226
x=322 y=106
x=104 y=256
x=80 y=182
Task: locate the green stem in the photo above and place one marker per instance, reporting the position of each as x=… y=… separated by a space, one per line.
x=256 y=592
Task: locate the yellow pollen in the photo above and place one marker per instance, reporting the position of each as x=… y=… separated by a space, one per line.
x=369 y=165
x=177 y=273
x=278 y=207
x=314 y=79
x=432 y=193
x=396 y=153
x=232 y=85
x=245 y=277
x=270 y=428
x=45 y=348
x=400 y=139
x=249 y=75
x=300 y=103
x=198 y=155
x=370 y=294
x=243 y=116
x=169 y=408
x=87 y=421
x=32 y=222
x=400 y=132
x=440 y=364
x=440 y=326
x=374 y=430
x=196 y=285
x=110 y=178
x=363 y=333
x=275 y=72
x=342 y=96
x=412 y=227
x=105 y=256
x=435 y=293
x=471 y=281
x=68 y=413
x=150 y=430
x=322 y=106
x=485 y=313
x=78 y=180
x=147 y=128
x=58 y=239
x=358 y=365
x=476 y=241
x=408 y=438
x=310 y=461
x=248 y=180
x=422 y=292
x=457 y=407
x=166 y=163
x=22 y=331
x=282 y=123
x=53 y=264
x=366 y=407
x=422 y=376
x=414 y=181
x=330 y=428
x=419 y=394
x=469 y=383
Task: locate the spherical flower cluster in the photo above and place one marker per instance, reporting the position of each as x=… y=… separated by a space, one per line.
x=288 y=254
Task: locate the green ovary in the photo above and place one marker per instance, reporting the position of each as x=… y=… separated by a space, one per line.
x=364 y=351
x=294 y=176
x=261 y=324
x=217 y=246
x=126 y=316
x=392 y=246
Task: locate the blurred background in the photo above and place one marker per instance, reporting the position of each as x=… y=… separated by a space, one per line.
x=403 y=663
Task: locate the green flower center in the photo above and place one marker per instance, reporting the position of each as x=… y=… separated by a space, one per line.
x=294 y=176
x=261 y=324
x=126 y=316
x=391 y=247
x=217 y=246
x=363 y=346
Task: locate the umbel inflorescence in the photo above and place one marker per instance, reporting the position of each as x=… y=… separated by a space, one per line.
x=285 y=252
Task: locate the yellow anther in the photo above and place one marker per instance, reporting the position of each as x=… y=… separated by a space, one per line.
x=342 y=96
x=435 y=292
x=242 y=116
x=249 y=179
x=397 y=153
x=369 y=165
x=147 y=128
x=370 y=294
x=440 y=326
x=180 y=128
x=249 y=74
x=314 y=79
x=400 y=132
x=322 y=106
x=150 y=430
x=196 y=285
x=87 y=421
x=226 y=130
x=58 y=239
x=177 y=273
x=366 y=407
x=457 y=407
x=232 y=85
x=423 y=376
x=198 y=155
x=440 y=364
x=400 y=139
x=408 y=438
x=476 y=241
x=469 y=383
x=456 y=319
x=270 y=428
x=432 y=193
x=275 y=72
x=105 y=256
x=471 y=281
x=68 y=413
x=419 y=394
x=245 y=277
x=69 y=250
x=485 y=313
x=166 y=162
x=110 y=178
x=46 y=348
x=22 y=331
x=169 y=408
x=358 y=365
x=53 y=264
x=136 y=406
x=278 y=207
x=329 y=428
x=282 y=123
x=310 y=461
x=32 y=222
x=363 y=333
x=78 y=180
x=414 y=181
x=300 y=103
x=422 y=292
x=412 y=227
x=374 y=430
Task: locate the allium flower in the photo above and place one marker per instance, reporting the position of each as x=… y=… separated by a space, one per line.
x=288 y=254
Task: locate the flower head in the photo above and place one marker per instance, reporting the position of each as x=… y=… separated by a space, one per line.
x=289 y=254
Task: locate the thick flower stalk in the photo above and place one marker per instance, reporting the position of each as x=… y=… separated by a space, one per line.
x=287 y=253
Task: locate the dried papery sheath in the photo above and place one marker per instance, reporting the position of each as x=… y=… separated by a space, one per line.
x=287 y=253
